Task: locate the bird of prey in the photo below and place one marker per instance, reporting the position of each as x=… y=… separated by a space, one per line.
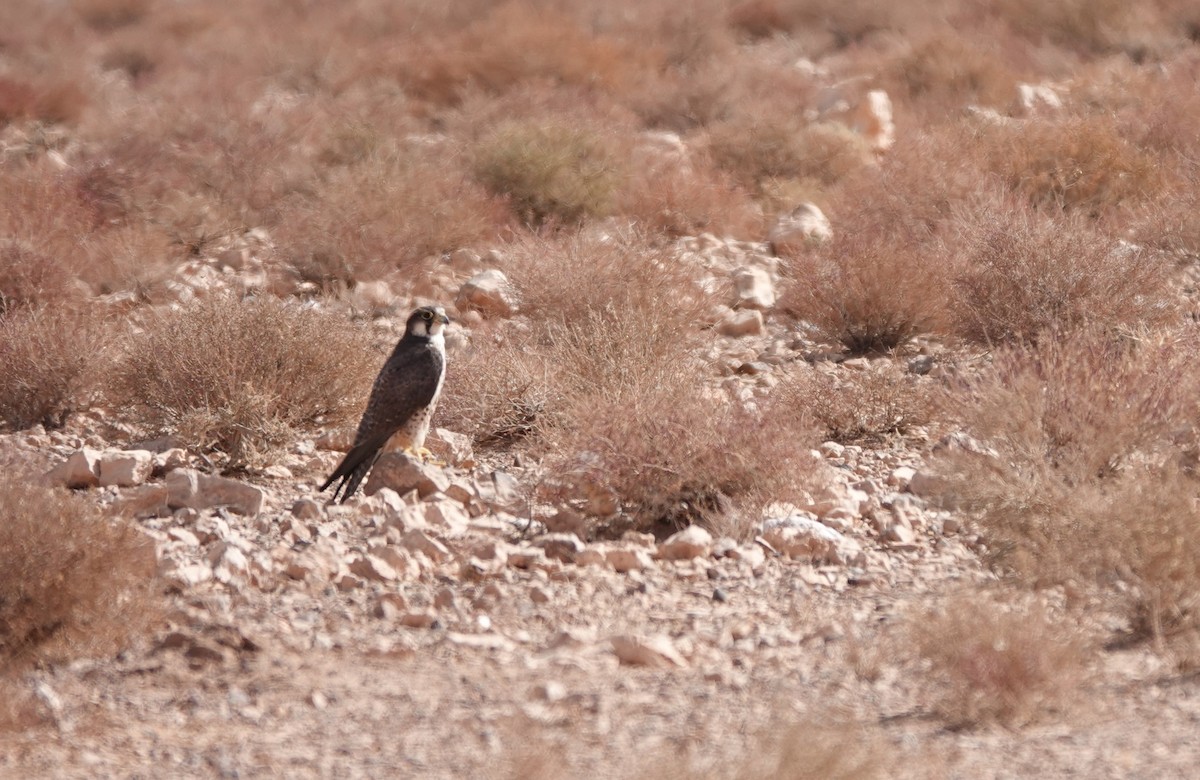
x=402 y=400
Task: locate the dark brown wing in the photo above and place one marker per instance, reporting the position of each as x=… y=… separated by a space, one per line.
x=406 y=384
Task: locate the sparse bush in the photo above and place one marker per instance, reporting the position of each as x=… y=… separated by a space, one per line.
x=240 y=376
x=51 y=362
x=1094 y=26
x=757 y=151
x=1022 y=273
x=1084 y=472
x=1077 y=163
x=951 y=69
x=853 y=407
x=994 y=662
x=72 y=583
x=550 y=173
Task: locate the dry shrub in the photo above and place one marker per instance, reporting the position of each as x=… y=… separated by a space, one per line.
x=1083 y=472
x=241 y=376
x=1023 y=272
x=757 y=151
x=550 y=172
x=846 y=22
x=1093 y=26
x=51 y=362
x=628 y=429
x=516 y=43
x=45 y=101
x=111 y=14
x=954 y=71
x=72 y=583
x=382 y=207
x=688 y=199
x=496 y=392
x=1077 y=163
x=991 y=662
x=863 y=406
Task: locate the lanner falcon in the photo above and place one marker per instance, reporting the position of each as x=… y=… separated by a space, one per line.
x=402 y=400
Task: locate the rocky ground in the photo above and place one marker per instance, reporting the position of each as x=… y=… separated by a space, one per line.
x=444 y=626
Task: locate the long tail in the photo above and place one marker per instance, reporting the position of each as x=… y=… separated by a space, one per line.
x=353 y=469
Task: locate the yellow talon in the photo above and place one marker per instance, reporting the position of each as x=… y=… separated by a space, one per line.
x=424 y=455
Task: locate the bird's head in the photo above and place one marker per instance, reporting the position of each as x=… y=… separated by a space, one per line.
x=427 y=322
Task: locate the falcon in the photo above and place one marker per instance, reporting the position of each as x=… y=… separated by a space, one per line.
x=402 y=400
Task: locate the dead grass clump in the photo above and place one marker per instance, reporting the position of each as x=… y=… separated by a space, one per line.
x=51 y=362
x=549 y=172
x=19 y=709
x=72 y=583
x=1079 y=163
x=845 y=22
x=991 y=662
x=240 y=376
x=869 y=405
x=1022 y=273
x=1084 y=472
x=758 y=152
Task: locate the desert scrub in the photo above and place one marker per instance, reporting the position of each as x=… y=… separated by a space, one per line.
x=550 y=172
x=72 y=583
x=52 y=360
x=1083 y=471
x=240 y=377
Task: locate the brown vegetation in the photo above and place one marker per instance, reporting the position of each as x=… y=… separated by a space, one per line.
x=1084 y=471
x=239 y=376
x=72 y=583
x=990 y=661
x=52 y=360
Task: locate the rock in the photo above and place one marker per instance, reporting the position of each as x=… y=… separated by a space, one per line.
x=81 y=469
x=390 y=606
x=489 y=293
x=403 y=474
x=927 y=484
x=567 y=520
x=144 y=501
x=538 y=595
x=627 y=559
x=337 y=440
x=655 y=651
x=550 y=691
x=419 y=541
x=799 y=229
x=445 y=599
x=742 y=322
x=800 y=535
x=183 y=536
x=753 y=288
x=448 y=517
x=401 y=561
x=373 y=568
x=691 y=542
x=229 y=563
x=1034 y=98
x=307 y=509
x=125 y=469
x=453 y=448
x=188 y=488
x=901 y=476
x=169 y=460
x=591 y=556
x=188 y=575
x=872 y=118
x=422 y=619
x=921 y=365
x=752 y=554
x=563 y=547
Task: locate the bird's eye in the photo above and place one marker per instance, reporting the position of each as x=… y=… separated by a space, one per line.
x=427 y=315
